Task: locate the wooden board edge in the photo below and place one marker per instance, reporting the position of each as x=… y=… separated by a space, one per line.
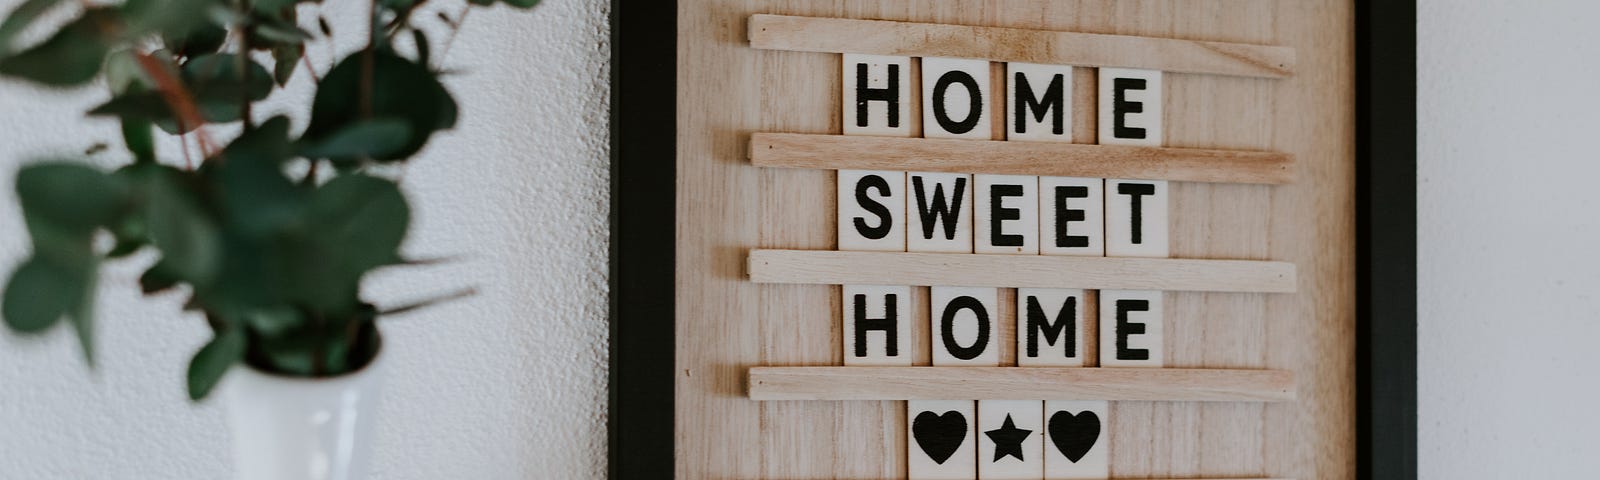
x=827 y=383
x=884 y=37
x=841 y=152
x=832 y=267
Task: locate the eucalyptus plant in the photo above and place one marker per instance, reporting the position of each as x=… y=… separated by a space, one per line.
x=271 y=232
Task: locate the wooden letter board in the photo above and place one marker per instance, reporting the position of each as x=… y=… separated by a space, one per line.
x=1258 y=114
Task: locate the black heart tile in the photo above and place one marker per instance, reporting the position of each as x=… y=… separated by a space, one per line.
x=1074 y=435
x=939 y=435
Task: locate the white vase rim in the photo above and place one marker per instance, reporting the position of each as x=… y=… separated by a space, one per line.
x=368 y=367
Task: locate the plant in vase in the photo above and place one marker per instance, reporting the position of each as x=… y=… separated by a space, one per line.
x=271 y=232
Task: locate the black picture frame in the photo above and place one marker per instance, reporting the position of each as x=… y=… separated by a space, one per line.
x=643 y=140
x=1386 y=239
x=644 y=56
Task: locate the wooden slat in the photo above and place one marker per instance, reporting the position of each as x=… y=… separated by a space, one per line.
x=878 y=37
x=831 y=267
x=1020 y=383
x=836 y=152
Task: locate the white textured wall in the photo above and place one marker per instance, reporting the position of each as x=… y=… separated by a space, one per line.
x=508 y=384
x=1509 y=230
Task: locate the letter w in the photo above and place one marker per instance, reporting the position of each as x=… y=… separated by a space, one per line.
x=939 y=210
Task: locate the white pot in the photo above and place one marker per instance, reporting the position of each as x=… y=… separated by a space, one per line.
x=287 y=428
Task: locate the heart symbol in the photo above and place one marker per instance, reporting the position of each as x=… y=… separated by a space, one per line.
x=939 y=435
x=1074 y=435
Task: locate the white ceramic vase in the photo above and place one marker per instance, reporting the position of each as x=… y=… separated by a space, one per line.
x=287 y=428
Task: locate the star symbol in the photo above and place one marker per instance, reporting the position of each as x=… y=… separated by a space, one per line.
x=1008 y=439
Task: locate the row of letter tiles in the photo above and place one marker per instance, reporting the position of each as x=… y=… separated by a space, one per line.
x=963 y=324
x=1007 y=439
x=1001 y=214
x=957 y=100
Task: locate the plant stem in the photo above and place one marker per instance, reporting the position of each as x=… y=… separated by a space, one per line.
x=306 y=60
x=455 y=28
x=311 y=174
x=178 y=99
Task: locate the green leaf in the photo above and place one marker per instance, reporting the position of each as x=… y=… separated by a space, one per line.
x=274 y=321
x=143 y=105
x=204 y=38
x=401 y=89
x=272 y=6
x=70 y=197
x=214 y=83
x=69 y=58
x=372 y=138
x=187 y=237
x=258 y=199
x=20 y=19
x=82 y=316
x=132 y=233
x=285 y=61
x=364 y=217
x=279 y=33
x=208 y=72
x=213 y=360
x=218 y=86
x=124 y=74
x=171 y=18
x=327 y=345
x=356 y=223
x=423 y=52
x=40 y=293
x=136 y=134
x=159 y=277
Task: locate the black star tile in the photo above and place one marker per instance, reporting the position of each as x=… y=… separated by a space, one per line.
x=1008 y=439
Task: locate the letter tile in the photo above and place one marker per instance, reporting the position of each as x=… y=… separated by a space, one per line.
x=939 y=212
x=1011 y=439
x=941 y=440
x=1130 y=107
x=1006 y=214
x=877 y=325
x=1071 y=216
x=956 y=99
x=964 y=326
x=877 y=95
x=1038 y=102
x=872 y=209
x=1077 y=436
x=1050 y=327
x=1131 y=326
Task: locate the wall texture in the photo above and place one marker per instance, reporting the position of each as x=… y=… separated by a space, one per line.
x=508 y=384
x=1509 y=280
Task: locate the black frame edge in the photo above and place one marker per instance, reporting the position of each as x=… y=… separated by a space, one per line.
x=643 y=169
x=640 y=413
x=1386 y=239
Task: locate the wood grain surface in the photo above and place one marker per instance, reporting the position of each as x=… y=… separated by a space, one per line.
x=836 y=152
x=829 y=267
x=1021 y=383
x=727 y=207
x=844 y=35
